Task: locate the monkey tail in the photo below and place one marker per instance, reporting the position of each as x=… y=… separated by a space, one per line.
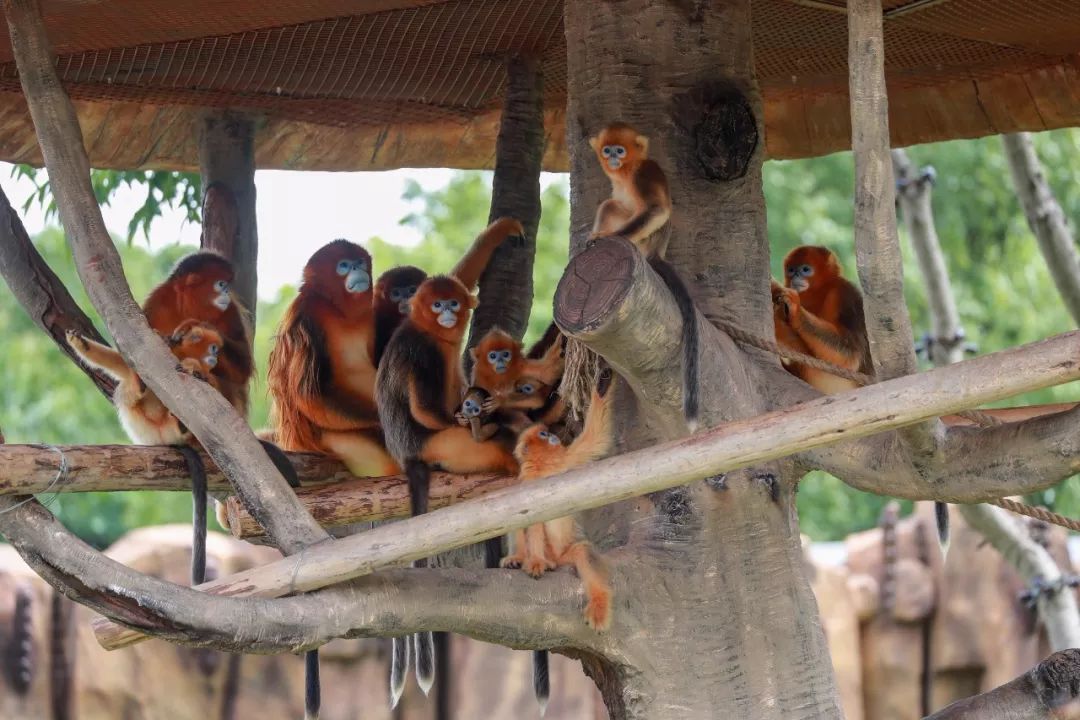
x=198 y=512
x=399 y=667
x=941 y=514
x=281 y=462
x=541 y=679
x=312 y=686
x=690 y=341
x=419 y=475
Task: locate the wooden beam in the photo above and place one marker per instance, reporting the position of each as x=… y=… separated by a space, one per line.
x=743 y=443
x=364 y=499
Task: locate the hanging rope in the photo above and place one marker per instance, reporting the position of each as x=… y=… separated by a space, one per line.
x=976 y=416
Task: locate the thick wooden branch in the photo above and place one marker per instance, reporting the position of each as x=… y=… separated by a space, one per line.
x=32 y=469
x=1047 y=692
x=506 y=286
x=612 y=300
x=214 y=422
x=40 y=292
x=505 y=607
x=1045 y=218
x=364 y=499
x=738 y=444
x=877 y=246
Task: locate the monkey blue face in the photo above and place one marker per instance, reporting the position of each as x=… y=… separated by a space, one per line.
x=402 y=295
x=210 y=359
x=797 y=277
x=500 y=360
x=525 y=388
x=357 y=275
x=552 y=438
x=471 y=408
x=614 y=155
x=221 y=298
x=446 y=311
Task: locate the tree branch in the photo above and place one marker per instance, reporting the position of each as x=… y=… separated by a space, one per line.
x=505 y=607
x=1057 y=609
x=40 y=292
x=1045 y=218
x=1049 y=691
x=738 y=444
x=611 y=300
x=946 y=344
x=214 y=422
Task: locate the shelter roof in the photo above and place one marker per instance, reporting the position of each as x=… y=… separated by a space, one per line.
x=372 y=84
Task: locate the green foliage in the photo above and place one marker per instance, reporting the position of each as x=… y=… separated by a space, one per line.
x=163 y=189
x=1002 y=286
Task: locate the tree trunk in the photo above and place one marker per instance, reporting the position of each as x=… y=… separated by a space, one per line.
x=506 y=287
x=227 y=165
x=712 y=606
x=1045 y=217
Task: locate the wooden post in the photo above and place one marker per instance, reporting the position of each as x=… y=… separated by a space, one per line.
x=877 y=245
x=506 y=287
x=227 y=164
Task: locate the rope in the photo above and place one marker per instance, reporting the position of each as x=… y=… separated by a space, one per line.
x=1037 y=513
x=978 y=417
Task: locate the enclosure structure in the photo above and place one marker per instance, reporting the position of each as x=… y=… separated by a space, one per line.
x=712 y=608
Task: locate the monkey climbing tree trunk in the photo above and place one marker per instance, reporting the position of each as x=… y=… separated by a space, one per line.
x=1045 y=217
x=712 y=607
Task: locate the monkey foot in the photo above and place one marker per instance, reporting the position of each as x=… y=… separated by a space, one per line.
x=598 y=610
x=537 y=566
x=512 y=562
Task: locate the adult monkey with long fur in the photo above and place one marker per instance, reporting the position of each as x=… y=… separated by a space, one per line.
x=418 y=389
x=818 y=312
x=639 y=206
x=321 y=372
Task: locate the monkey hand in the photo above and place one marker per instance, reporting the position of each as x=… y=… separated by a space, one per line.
x=461 y=419
x=788 y=305
x=75 y=340
x=512 y=562
x=490 y=405
x=194 y=368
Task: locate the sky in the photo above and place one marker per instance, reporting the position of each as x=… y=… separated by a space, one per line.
x=297 y=212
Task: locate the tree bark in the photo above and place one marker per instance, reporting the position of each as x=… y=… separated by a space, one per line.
x=506 y=286
x=686 y=81
x=1045 y=218
x=40 y=292
x=227 y=166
